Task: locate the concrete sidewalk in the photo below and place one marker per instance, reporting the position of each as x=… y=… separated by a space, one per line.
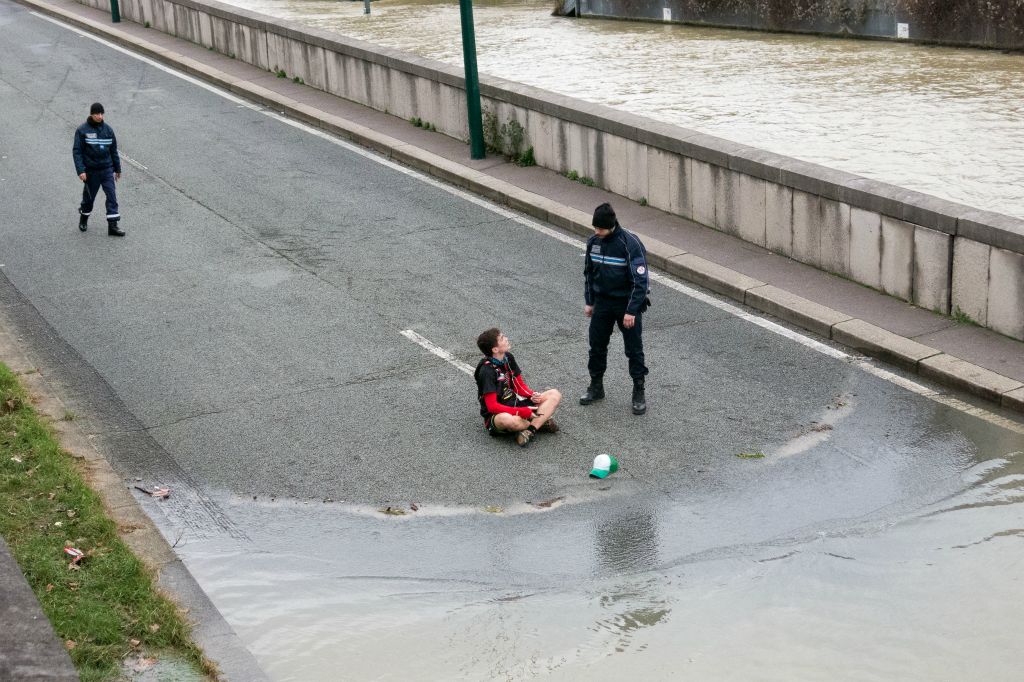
x=969 y=358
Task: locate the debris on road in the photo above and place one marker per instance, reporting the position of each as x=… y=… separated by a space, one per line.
x=547 y=503
x=155 y=491
x=392 y=511
x=493 y=510
x=750 y=455
x=140 y=663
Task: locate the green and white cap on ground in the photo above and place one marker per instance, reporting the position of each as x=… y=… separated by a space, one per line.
x=604 y=465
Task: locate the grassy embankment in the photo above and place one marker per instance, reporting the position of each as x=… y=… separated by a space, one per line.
x=106 y=609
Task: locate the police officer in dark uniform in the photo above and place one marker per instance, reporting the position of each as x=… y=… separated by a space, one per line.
x=98 y=165
x=615 y=273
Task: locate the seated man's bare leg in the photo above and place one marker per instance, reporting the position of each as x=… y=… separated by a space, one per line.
x=509 y=422
x=546 y=406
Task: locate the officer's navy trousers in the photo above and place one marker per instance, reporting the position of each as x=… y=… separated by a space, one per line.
x=93 y=181
x=608 y=313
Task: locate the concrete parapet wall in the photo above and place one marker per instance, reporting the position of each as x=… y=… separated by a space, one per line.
x=937 y=254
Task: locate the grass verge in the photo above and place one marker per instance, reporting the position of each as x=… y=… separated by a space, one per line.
x=107 y=608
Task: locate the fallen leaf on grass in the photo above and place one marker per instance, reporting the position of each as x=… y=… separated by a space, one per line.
x=154 y=627
x=49 y=587
x=750 y=455
x=16 y=459
x=70 y=644
x=134 y=642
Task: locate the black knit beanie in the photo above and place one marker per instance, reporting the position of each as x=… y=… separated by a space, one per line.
x=604 y=217
x=96 y=108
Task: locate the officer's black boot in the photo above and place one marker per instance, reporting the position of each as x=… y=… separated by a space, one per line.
x=594 y=392
x=112 y=229
x=639 y=401
x=83 y=221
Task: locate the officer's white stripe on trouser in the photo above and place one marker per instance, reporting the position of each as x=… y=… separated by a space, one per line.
x=111 y=216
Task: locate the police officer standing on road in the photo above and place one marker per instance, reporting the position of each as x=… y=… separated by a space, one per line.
x=616 y=287
x=98 y=165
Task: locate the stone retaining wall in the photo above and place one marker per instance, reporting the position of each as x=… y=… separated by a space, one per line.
x=990 y=24
x=937 y=254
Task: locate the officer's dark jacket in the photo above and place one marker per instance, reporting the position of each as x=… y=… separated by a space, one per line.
x=95 y=148
x=616 y=267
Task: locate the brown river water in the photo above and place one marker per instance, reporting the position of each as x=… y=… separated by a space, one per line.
x=944 y=121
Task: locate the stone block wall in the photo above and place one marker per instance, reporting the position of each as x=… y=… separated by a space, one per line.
x=940 y=255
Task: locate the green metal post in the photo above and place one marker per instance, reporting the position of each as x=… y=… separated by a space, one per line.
x=115 y=12
x=476 y=128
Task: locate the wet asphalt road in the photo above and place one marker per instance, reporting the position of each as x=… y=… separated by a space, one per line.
x=244 y=341
x=250 y=322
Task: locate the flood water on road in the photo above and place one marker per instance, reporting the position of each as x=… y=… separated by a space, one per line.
x=642 y=583
x=943 y=121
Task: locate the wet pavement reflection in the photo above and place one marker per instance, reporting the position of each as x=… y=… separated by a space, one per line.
x=943 y=121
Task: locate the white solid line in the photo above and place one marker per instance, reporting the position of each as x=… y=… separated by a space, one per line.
x=147 y=60
x=664 y=280
x=131 y=161
x=437 y=350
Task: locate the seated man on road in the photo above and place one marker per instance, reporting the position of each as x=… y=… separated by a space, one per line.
x=507 y=404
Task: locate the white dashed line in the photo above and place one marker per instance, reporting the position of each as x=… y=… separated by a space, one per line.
x=438 y=351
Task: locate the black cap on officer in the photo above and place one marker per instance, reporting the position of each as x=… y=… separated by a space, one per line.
x=604 y=217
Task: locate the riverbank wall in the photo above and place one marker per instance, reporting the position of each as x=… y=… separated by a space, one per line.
x=968 y=23
x=937 y=254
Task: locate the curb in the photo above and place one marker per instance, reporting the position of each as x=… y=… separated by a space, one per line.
x=814 y=317
x=210 y=631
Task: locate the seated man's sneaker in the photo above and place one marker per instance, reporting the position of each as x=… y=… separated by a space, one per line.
x=549 y=426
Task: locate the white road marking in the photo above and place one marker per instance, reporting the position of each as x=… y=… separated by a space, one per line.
x=131 y=161
x=438 y=351
x=664 y=280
